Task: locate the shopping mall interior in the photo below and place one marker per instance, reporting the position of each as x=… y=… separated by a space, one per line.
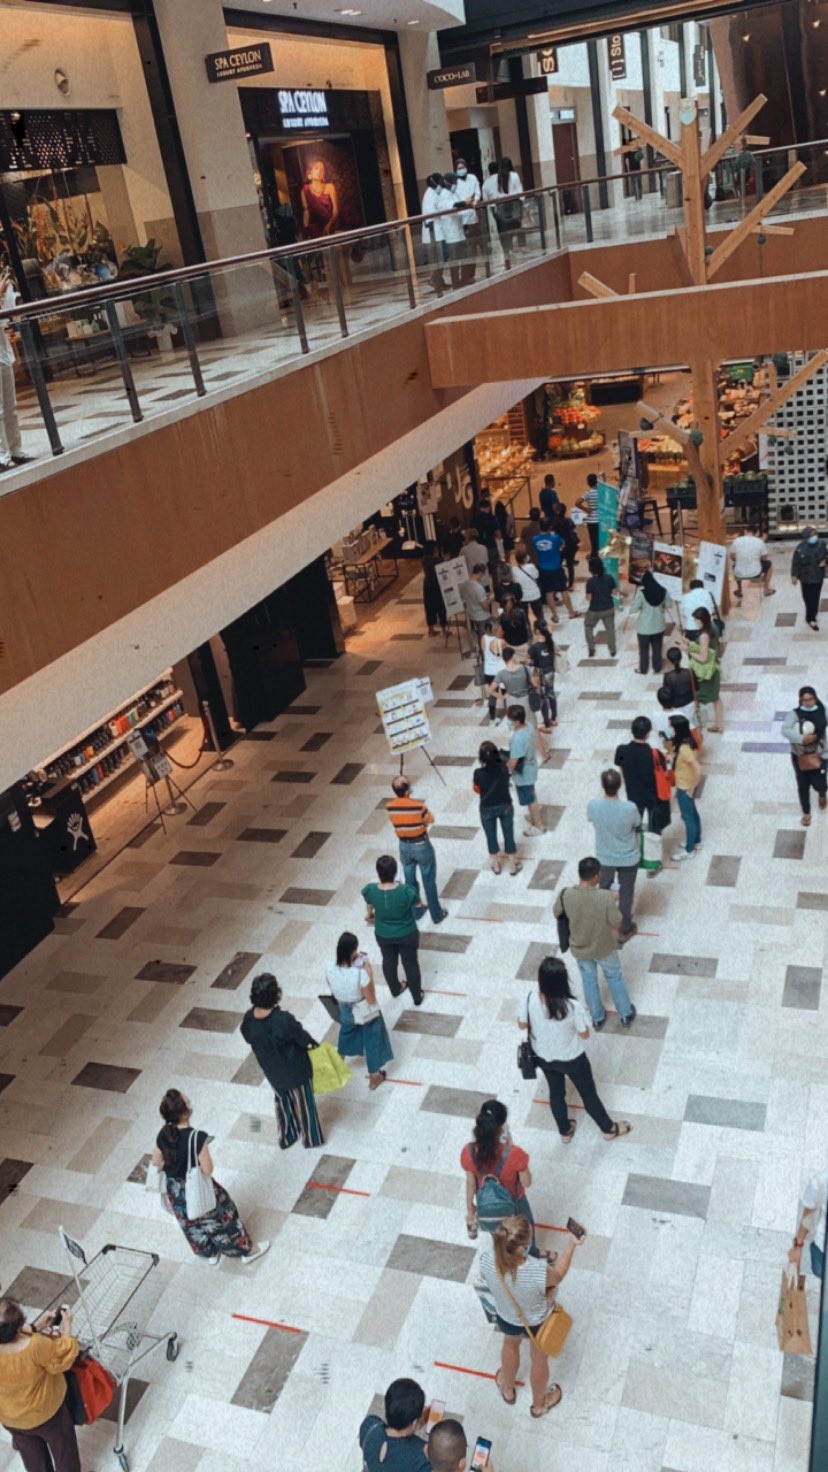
x=272 y=361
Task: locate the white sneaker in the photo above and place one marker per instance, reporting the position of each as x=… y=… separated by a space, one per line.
x=681 y=854
x=214 y=1260
x=257 y=1253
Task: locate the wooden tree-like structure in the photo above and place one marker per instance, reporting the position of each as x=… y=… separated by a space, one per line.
x=707 y=452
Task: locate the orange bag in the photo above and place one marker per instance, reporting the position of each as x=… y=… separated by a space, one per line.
x=90 y=1389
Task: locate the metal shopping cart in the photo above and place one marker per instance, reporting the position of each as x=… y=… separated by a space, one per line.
x=112 y=1300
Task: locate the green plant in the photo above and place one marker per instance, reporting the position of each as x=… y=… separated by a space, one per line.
x=156 y=307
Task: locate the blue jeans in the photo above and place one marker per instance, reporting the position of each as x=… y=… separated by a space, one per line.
x=613 y=976
x=489 y=816
x=817 y=1261
x=420 y=851
x=692 y=821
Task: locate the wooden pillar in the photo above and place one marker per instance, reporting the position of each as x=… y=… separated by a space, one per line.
x=693 y=191
x=709 y=483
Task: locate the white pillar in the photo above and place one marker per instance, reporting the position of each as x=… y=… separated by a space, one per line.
x=419 y=53
x=540 y=129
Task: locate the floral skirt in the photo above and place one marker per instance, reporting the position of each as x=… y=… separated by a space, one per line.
x=296 y=1115
x=220 y=1231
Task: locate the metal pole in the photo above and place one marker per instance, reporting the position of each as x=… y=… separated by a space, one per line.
x=123 y=360
x=31 y=358
x=223 y=761
x=333 y=267
x=297 y=307
x=189 y=340
x=556 y=214
x=542 y=223
x=408 y=257
x=587 y=210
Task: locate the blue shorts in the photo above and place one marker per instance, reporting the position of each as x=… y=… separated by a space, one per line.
x=514 y=1331
x=525 y=795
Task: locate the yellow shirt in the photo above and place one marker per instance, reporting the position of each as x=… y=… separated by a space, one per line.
x=32 y=1387
x=685 y=768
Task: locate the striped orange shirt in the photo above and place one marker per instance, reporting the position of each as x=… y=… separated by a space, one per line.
x=409 y=816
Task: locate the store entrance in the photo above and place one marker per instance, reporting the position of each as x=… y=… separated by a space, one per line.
x=567 y=164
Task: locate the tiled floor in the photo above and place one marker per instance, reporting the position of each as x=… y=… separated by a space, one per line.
x=672 y=1362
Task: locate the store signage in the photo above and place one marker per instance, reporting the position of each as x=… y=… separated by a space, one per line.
x=452 y=76
x=504 y=91
x=548 y=61
x=699 y=66
x=562 y=114
x=617 y=56
x=242 y=61
x=303 y=109
x=711 y=567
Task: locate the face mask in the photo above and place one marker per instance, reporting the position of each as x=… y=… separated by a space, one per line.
x=461 y=173
x=813 y=541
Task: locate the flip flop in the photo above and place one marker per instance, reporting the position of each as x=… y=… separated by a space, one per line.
x=553 y=1397
x=499 y=1384
x=621 y=1127
x=516 y=869
x=567 y=1138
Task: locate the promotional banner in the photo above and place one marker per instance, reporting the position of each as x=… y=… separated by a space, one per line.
x=451 y=576
x=711 y=567
x=668 y=567
x=607 y=522
x=403 y=716
x=641 y=555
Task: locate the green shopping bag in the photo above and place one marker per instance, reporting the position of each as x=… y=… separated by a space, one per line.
x=330 y=1071
x=650 y=851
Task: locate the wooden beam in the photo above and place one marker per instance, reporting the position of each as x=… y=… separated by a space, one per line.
x=744 y=228
x=591 y=284
x=663 y=425
x=765 y=229
x=648 y=135
x=693 y=189
x=717 y=150
x=751 y=426
x=757 y=140
x=631 y=283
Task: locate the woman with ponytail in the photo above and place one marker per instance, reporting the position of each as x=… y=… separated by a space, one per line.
x=523 y=1289
x=493 y=1153
x=220 y=1232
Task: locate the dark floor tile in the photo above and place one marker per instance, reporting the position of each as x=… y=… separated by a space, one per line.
x=655 y=1193
x=803 y=985
x=461 y=682
x=798 y=1373
x=600 y=695
x=723 y=871
x=120 y=923
x=299 y=896
x=301 y=710
x=646 y=1025
x=269 y=1370
x=766 y=659
x=11 y=1174
x=551 y=816
x=809 y=900
x=447 y=704
x=429 y=1259
x=734 y=1114
x=134 y=1394
x=459 y=1103
x=146 y=833
x=790 y=842
x=66 y=910
x=316 y=741
x=557 y=757
x=233 y=974
x=618 y=725
x=370 y=667
x=261 y=835
x=211 y=1019
x=439 y=940
x=443 y=760
x=446 y=830
x=171 y=971
x=8 y=1012
x=195 y=859
x=536 y=952
x=671 y=965
x=765 y=746
x=785 y=620
x=596 y=664
x=295 y=777
x=205 y=814
x=735 y=689
x=310 y=845
x=111 y=1077
x=248 y=1072
x=433 y=1024
x=5 y=1080
x=347 y=774
x=262 y=735
x=547 y=874
x=35 y=1287
x=314 y=1200
x=458 y=884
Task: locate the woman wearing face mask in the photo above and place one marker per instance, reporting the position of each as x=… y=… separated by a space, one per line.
x=467 y=189
x=804 y=727
x=651 y=603
x=808 y=569
x=433 y=245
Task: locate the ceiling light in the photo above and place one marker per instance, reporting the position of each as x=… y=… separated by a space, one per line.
x=349 y=11
x=816 y=24
x=822 y=91
x=412 y=22
x=746 y=36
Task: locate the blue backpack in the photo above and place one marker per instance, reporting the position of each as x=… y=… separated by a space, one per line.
x=494 y=1202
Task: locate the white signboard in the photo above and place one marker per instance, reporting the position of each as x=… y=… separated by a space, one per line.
x=668 y=567
x=424 y=687
x=451 y=576
x=404 y=717
x=711 y=567
x=428 y=498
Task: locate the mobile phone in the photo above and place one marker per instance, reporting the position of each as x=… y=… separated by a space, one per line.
x=576 y=1229
x=360 y=958
x=436 y=1412
x=480 y=1455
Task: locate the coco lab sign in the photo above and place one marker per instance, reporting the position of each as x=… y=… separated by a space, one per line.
x=302 y=109
x=242 y=61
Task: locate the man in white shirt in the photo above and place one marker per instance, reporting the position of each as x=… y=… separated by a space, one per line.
x=11 y=444
x=812 y=1222
x=750 y=563
x=696 y=596
x=467 y=188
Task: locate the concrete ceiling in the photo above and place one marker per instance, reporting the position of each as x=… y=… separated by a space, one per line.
x=384 y=15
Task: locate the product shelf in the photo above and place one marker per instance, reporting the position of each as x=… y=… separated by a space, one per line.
x=77 y=772
x=96 y=725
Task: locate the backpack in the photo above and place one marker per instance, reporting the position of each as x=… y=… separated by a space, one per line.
x=494 y=1202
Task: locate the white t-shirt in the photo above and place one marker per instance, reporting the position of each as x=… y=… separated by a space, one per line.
x=450 y=225
x=492 y=660
x=491 y=188
x=528 y=582
x=431 y=228
x=346 y=982
x=815 y=1198
x=554 y=1040
x=468 y=189
x=747 y=553
x=661 y=721
x=695 y=598
x=7 y=303
x=528 y=1286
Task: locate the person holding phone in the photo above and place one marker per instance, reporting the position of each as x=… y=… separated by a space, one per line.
x=11 y=443
x=393 y=1445
x=448 y=1450
x=33 y=1363
x=362 y=1031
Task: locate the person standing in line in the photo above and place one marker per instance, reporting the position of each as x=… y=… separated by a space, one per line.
x=811 y=1222
x=542 y=657
x=703 y=658
x=448 y=1448
x=493 y=1152
x=527 y=581
x=491 y=783
x=679 y=682
x=432 y=237
x=11 y=443
x=474 y=553
x=362 y=1031
x=550 y=501
x=513 y=679
x=750 y=563
x=600 y=591
x=514 y=627
x=467 y=190
x=549 y=549
x=666 y=708
x=594 y=923
x=617 y=822
x=281 y=1046
x=491 y=648
x=808 y=569
x=558 y=1028
x=453 y=539
x=804 y=727
x=484 y=523
x=530 y=530
x=565 y=527
x=435 y=608
x=393 y=1445
x=523 y=1289
x=390 y=908
x=652 y=603
x=697 y=596
x=476 y=600
x=411 y=819
x=687 y=773
x=589 y=503
x=221 y=1232
x=33 y=1363
x=637 y=760
x=523 y=765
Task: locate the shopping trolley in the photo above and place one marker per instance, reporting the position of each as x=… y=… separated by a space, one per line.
x=111 y=1301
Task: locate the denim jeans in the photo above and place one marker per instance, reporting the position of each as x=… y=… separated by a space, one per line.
x=579 y=1071
x=692 y=821
x=420 y=851
x=613 y=976
x=489 y=818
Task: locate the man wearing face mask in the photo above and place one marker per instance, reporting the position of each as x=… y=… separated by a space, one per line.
x=467 y=189
x=808 y=569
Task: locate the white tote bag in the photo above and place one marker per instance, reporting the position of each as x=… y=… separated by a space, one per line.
x=199 y=1195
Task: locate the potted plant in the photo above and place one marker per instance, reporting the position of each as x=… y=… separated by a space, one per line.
x=156 y=308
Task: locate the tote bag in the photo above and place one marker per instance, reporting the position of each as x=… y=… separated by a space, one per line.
x=90 y=1389
x=330 y=1071
x=199 y=1194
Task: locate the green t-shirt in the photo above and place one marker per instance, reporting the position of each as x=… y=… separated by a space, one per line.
x=393 y=910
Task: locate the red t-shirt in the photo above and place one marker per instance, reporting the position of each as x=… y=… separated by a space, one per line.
x=516 y=1161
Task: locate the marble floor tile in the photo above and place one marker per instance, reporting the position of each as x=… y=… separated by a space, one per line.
x=798 y=1377
x=316 y=741
x=170 y=971
x=735 y=1114
x=679 y=1197
x=35 y=1287
x=444 y=830
x=195 y=858
x=310 y=845
x=430 y=1259
x=75 y=981
x=535 y=953
x=436 y=1024
x=68 y=1034
x=723 y=871
x=347 y=774
x=441 y=940
x=206 y=813
x=299 y=896
x=120 y=923
x=461 y=1103
x=261 y=835
x=8 y=1013
x=459 y=883
x=296 y=776
x=683 y=965
x=803 y=985
x=108 y=1076
x=12 y=1172
x=211 y=1019
x=546 y=874
x=811 y=900
x=234 y=973
x=268 y=1372
x=789 y=843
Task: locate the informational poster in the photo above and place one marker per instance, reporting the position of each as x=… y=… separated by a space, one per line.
x=668 y=567
x=711 y=567
x=404 y=719
x=607 y=522
x=451 y=576
x=428 y=497
x=641 y=555
x=424 y=687
x=629 y=466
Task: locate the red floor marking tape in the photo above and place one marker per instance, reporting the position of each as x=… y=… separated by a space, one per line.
x=464 y=1370
x=411 y=1083
x=341 y=1190
x=548 y=1227
x=269 y=1323
x=484 y=920
x=569 y=1105
x=434 y=991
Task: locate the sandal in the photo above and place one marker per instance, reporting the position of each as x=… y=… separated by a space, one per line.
x=517 y=868
x=621 y=1127
x=495 y=868
x=553 y=1397
x=805 y=820
x=380 y=1079
x=567 y=1138
x=499 y=1384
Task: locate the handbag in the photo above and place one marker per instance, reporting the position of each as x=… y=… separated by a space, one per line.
x=810 y=760
x=792 y=1331
x=665 y=780
x=364 y=1011
x=549 y=1336
x=156 y=1179
x=90 y=1389
x=199 y=1192
x=330 y=1071
x=650 y=851
x=526 y=1060
x=481 y=679
x=563 y=927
